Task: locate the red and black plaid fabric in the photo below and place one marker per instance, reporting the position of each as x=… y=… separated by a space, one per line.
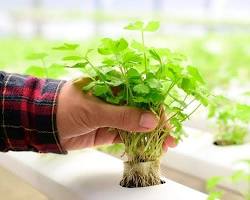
x=28 y=114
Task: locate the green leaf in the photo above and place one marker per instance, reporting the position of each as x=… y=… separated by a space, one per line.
x=115 y=82
x=242 y=112
x=99 y=90
x=37 y=71
x=106 y=48
x=109 y=62
x=137 y=45
x=155 y=97
x=104 y=51
x=141 y=89
x=181 y=116
x=154 y=83
x=195 y=74
x=176 y=69
x=139 y=99
x=203 y=99
x=155 y=55
x=37 y=56
x=113 y=100
x=213 y=182
x=72 y=58
x=67 y=47
x=120 y=45
x=133 y=73
x=131 y=57
x=56 y=71
x=105 y=69
x=212 y=110
x=89 y=86
x=177 y=125
x=138 y=25
x=216 y=195
x=187 y=85
x=152 y=26
x=109 y=46
x=79 y=65
x=164 y=72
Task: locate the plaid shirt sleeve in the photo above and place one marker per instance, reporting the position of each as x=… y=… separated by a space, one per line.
x=28 y=114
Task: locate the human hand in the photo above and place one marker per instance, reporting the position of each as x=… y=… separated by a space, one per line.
x=85 y=121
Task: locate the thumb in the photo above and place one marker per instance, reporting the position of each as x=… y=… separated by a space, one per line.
x=126 y=118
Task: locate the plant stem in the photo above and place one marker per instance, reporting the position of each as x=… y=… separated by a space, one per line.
x=144 y=53
x=127 y=84
x=192 y=112
x=171 y=86
x=182 y=110
x=97 y=71
x=126 y=80
x=185 y=98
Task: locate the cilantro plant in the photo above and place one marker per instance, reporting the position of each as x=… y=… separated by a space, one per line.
x=239 y=176
x=232 y=121
x=131 y=73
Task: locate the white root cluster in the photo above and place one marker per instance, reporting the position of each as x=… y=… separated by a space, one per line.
x=141 y=174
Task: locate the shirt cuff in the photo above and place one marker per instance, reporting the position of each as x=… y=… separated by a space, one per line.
x=28 y=114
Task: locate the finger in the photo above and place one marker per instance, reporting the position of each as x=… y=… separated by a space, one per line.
x=79 y=83
x=96 y=138
x=126 y=118
x=165 y=147
x=106 y=136
x=80 y=142
x=169 y=142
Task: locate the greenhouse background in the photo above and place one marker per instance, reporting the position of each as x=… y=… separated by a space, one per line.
x=213 y=34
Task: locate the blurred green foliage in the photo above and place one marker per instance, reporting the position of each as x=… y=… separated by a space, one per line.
x=238 y=176
x=231 y=120
x=13 y=52
x=221 y=58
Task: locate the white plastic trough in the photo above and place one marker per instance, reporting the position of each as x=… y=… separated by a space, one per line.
x=196 y=159
x=86 y=175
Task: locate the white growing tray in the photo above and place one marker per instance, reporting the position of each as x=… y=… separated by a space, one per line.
x=86 y=175
x=198 y=157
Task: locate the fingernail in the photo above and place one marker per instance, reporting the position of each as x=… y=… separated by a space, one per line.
x=148 y=121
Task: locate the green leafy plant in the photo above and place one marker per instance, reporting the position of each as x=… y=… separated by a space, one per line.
x=232 y=120
x=239 y=176
x=130 y=73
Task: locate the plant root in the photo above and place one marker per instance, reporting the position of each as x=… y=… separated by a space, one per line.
x=141 y=174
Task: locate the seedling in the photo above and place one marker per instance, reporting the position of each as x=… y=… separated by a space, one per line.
x=155 y=79
x=232 y=121
x=239 y=176
x=134 y=74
